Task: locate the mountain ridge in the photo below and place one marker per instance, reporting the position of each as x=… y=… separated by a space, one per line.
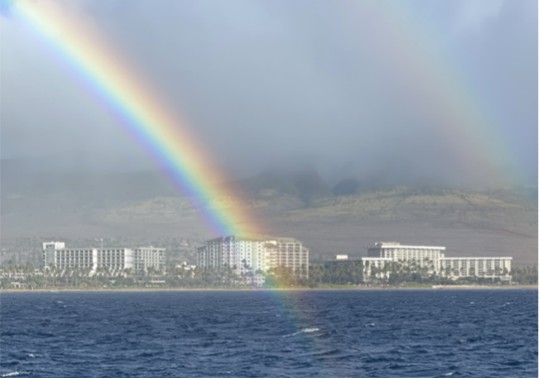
x=469 y=222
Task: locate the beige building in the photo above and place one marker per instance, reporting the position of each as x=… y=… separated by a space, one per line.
x=252 y=258
x=289 y=253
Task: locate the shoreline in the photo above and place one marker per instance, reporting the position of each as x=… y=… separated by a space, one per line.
x=366 y=288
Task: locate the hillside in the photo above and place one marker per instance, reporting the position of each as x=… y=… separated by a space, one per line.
x=468 y=223
x=144 y=207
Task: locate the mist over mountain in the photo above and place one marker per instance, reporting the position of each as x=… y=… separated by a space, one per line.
x=339 y=123
x=441 y=93
x=329 y=215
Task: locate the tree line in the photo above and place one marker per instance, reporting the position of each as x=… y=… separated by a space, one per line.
x=329 y=274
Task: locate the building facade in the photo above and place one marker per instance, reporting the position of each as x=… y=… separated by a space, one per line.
x=243 y=255
x=421 y=257
x=149 y=258
x=385 y=257
x=290 y=253
x=376 y=268
x=485 y=267
x=113 y=261
x=252 y=258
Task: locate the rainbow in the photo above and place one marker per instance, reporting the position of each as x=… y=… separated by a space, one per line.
x=468 y=127
x=169 y=141
x=166 y=137
x=138 y=107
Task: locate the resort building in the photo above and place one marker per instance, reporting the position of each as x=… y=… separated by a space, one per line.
x=376 y=268
x=387 y=257
x=420 y=256
x=149 y=258
x=251 y=258
x=289 y=253
x=114 y=261
x=485 y=267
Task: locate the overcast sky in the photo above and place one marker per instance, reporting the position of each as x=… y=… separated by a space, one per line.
x=352 y=88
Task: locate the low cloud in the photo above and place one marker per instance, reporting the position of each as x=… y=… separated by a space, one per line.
x=280 y=84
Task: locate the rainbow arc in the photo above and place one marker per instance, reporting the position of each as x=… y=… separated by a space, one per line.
x=139 y=109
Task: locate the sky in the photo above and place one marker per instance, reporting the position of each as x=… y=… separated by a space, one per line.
x=411 y=89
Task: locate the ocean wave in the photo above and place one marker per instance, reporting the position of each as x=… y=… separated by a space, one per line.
x=15 y=373
x=303 y=330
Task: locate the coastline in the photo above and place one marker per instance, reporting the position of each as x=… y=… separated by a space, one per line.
x=363 y=288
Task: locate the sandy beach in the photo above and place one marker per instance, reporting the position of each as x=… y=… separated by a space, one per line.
x=360 y=288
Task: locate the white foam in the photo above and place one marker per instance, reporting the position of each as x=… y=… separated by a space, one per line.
x=14 y=373
x=304 y=330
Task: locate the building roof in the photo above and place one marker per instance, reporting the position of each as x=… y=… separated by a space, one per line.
x=396 y=244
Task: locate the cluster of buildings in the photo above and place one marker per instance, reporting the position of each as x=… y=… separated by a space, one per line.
x=114 y=261
x=384 y=257
x=252 y=258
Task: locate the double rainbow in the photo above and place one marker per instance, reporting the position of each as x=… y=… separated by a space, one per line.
x=465 y=122
x=468 y=126
x=168 y=138
x=139 y=109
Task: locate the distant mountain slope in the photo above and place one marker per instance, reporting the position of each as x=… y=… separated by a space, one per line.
x=330 y=221
x=468 y=223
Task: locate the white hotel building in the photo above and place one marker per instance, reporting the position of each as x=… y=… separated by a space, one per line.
x=487 y=267
x=94 y=260
x=252 y=257
x=432 y=261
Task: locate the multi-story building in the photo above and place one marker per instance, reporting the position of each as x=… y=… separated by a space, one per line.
x=430 y=260
x=290 y=253
x=243 y=255
x=53 y=244
x=485 y=267
x=419 y=256
x=57 y=256
x=253 y=257
x=147 y=258
x=96 y=260
x=376 y=268
x=111 y=260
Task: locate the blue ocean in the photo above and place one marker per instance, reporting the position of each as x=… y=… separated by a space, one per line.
x=488 y=333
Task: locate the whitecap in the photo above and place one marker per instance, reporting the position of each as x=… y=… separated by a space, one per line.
x=303 y=330
x=14 y=373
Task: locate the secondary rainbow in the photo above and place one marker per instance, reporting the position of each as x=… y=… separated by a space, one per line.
x=468 y=124
x=456 y=110
x=141 y=112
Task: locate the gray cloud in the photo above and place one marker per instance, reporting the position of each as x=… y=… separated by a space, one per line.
x=279 y=83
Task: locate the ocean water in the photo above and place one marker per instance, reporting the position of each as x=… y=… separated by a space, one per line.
x=490 y=333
